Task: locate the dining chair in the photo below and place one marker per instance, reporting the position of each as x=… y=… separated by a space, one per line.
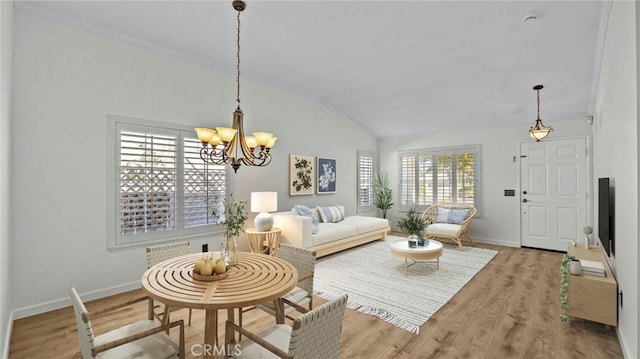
x=160 y=253
x=314 y=334
x=142 y=339
x=304 y=261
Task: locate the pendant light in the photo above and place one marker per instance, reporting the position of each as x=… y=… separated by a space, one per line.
x=231 y=146
x=539 y=131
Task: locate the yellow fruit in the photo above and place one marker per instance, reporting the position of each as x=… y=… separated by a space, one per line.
x=206 y=269
x=198 y=266
x=220 y=267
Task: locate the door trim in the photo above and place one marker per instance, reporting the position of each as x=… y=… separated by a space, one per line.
x=589 y=181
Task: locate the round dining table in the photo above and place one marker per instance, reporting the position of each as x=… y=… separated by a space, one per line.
x=257 y=278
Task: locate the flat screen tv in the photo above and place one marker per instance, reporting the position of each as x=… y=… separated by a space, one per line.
x=606 y=215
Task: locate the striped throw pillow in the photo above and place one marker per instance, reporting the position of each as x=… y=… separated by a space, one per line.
x=330 y=214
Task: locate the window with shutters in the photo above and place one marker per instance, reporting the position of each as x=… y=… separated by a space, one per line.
x=446 y=175
x=160 y=189
x=365 y=180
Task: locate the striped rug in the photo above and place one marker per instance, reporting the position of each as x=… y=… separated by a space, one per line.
x=377 y=285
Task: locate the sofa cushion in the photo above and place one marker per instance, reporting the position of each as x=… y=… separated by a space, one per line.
x=331 y=214
x=301 y=210
x=330 y=232
x=366 y=224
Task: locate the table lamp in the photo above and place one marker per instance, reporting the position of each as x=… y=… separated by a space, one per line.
x=264 y=202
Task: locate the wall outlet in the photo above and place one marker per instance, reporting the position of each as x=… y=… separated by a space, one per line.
x=620 y=295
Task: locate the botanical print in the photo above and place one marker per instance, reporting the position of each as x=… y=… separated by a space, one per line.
x=326 y=175
x=301 y=172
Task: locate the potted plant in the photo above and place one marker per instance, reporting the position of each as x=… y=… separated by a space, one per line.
x=564 y=286
x=413 y=224
x=383 y=192
x=233 y=218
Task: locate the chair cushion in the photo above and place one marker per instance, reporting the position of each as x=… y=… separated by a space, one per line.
x=296 y=295
x=157 y=346
x=446 y=229
x=278 y=335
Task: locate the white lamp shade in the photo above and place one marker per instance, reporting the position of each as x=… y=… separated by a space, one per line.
x=264 y=201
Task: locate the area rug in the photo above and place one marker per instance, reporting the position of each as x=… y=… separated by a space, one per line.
x=377 y=285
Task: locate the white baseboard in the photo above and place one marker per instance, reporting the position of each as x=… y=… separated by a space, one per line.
x=7 y=338
x=65 y=302
x=495 y=241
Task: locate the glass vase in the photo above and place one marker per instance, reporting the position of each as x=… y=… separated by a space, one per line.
x=229 y=251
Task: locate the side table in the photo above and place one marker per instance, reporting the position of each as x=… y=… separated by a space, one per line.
x=266 y=242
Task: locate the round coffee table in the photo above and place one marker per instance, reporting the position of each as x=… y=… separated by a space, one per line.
x=433 y=250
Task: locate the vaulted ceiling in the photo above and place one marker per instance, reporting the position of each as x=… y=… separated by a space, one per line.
x=396 y=68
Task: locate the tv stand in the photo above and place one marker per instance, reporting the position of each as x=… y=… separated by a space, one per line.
x=591 y=297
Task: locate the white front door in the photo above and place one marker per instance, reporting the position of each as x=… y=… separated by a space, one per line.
x=553 y=192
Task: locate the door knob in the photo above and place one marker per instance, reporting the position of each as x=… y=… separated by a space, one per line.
x=524 y=192
x=525 y=200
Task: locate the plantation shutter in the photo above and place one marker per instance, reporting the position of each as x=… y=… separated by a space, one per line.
x=465 y=175
x=445 y=175
x=407 y=180
x=204 y=185
x=147 y=182
x=426 y=180
x=365 y=180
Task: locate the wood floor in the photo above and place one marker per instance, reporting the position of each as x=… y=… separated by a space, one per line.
x=509 y=310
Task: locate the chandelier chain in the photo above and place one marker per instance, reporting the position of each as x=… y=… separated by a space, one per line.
x=238 y=63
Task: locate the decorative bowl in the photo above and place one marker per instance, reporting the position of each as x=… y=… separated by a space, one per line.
x=210 y=278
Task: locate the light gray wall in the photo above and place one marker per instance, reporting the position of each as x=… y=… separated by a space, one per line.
x=616 y=140
x=6 y=57
x=66 y=82
x=498 y=219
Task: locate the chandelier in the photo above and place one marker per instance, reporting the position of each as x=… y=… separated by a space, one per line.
x=231 y=146
x=539 y=131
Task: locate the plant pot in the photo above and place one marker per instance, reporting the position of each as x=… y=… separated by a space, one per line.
x=575 y=268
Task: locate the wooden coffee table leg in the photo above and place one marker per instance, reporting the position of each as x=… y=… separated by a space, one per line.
x=405 y=266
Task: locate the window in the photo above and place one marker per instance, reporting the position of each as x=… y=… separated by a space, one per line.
x=160 y=189
x=365 y=180
x=445 y=175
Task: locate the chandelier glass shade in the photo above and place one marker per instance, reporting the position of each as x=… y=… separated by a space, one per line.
x=539 y=131
x=230 y=145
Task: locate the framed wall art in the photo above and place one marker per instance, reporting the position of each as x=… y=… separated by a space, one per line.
x=301 y=175
x=326 y=169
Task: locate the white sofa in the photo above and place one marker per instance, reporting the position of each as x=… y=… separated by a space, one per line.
x=331 y=237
